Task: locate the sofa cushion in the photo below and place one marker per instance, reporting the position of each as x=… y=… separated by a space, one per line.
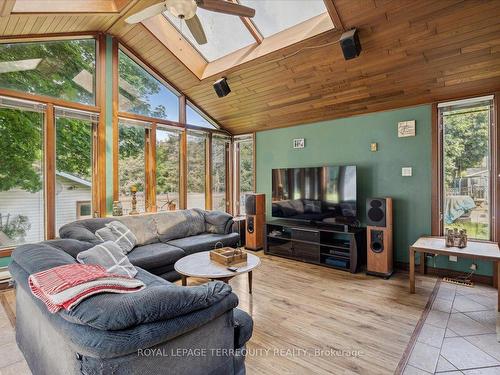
x=180 y=224
x=118 y=233
x=155 y=255
x=205 y=242
x=109 y=255
x=243 y=327
x=34 y=258
x=84 y=230
x=160 y=300
x=216 y=222
x=142 y=226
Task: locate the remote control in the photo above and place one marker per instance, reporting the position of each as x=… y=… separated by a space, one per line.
x=232 y=269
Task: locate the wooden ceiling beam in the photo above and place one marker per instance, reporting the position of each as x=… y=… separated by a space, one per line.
x=6 y=7
x=334 y=14
x=101 y=7
x=251 y=27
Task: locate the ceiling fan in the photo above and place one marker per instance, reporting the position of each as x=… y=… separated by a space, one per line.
x=186 y=10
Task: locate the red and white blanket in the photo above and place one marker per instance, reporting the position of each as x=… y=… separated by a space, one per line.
x=66 y=286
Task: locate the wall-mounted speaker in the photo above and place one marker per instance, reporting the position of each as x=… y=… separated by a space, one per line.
x=349 y=42
x=379 y=237
x=255 y=209
x=221 y=87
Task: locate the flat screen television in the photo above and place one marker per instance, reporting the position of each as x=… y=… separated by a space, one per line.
x=319 y=194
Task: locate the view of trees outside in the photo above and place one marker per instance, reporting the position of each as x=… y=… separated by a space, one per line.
x=167 y=168
x=246 y=171
x=219 y=173
x=21 y=176
x=131 y=165
x=196 y=170
x=143 y=94
x=74 y=160
x=466 y=165
x=59 y=69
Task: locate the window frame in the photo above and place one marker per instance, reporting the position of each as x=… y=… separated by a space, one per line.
x=236 y=194
x=437 y=170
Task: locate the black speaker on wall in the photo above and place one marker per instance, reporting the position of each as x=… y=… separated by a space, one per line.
x=221 y=87
x=376 y=212
x=349 y=42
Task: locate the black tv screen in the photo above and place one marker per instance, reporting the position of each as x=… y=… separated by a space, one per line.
x=320 y=194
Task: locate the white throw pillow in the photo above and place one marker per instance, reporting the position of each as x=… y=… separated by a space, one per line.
x=110 y=256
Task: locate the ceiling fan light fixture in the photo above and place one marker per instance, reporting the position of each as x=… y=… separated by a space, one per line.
x=183 y=9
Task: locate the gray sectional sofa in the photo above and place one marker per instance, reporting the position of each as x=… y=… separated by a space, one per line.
x=162 y=329
x=164 y=237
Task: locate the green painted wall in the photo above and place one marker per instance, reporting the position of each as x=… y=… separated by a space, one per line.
x=347 y=141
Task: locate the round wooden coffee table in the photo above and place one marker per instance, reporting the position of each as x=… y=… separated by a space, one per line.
x=200 y=265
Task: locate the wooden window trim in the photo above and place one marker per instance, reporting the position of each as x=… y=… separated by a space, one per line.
x=436 y=170
x=50 y=173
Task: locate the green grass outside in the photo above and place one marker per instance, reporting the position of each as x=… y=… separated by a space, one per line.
x=478 y=231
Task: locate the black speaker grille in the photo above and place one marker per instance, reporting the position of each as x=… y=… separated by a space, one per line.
x=375 y=212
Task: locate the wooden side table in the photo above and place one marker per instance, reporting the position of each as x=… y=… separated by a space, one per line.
x=436 y=245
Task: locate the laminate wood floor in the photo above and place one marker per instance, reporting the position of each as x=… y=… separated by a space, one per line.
x=314 y=320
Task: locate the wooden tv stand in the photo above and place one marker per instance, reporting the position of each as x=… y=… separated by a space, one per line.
x=318 y=244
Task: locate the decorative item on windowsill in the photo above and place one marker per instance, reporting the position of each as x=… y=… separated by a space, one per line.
x=133 y=190
x=227 y=255
x=117 y=208
x=170 y=203
x=456 y=238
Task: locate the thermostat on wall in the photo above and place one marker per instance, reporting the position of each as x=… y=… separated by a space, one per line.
x=406 y=171
x=299 y=143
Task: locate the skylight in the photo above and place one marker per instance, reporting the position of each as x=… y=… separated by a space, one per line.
x=225 y=33
x=273 y=16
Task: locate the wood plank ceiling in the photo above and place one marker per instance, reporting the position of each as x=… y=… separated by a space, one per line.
x=414 y=52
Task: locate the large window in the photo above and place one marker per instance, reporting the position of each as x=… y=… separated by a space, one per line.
x=21 y=173
x=167 y=169
x=60 y=69
x=466 y=166
x=143 y=94
x=220 y=149
x=244 y=171
x=132 y=165
x=74 y=165
x=196 y=152
x=194 y=117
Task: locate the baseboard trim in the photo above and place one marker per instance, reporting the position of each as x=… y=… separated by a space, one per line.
x=442 y=272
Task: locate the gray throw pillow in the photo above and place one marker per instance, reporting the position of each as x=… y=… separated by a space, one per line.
x=110 y=256
x=216 y=222
x=118 y=233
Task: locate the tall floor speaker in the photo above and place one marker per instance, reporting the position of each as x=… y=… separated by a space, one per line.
x=379 y=232
x=255 y=208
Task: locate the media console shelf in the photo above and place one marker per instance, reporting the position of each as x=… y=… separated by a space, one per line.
x=323 y=245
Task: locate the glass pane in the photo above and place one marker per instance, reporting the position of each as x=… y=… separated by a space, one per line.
x=225 y=33
x=60 y=69
x=466 y=164
x=131 y=166
x=246 y=171
x=143 y=94
x=21 y=182
x=219 y=174
x=196 y=171
x=194 y=118
x=167 y=169
x=273 y=16
x=73 y=169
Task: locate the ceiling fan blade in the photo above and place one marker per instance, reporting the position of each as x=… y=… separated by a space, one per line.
x=194 y=25
x=149 y=12
x=227 y=7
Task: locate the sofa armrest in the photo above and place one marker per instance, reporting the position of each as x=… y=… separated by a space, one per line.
x=153 y=304
x=218 y=222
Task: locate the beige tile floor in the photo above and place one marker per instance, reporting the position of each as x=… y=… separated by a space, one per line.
x=459 y=335
x=11 y=359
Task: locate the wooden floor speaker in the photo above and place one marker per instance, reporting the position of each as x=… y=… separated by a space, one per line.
x=380 y=254
x=255 y=208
